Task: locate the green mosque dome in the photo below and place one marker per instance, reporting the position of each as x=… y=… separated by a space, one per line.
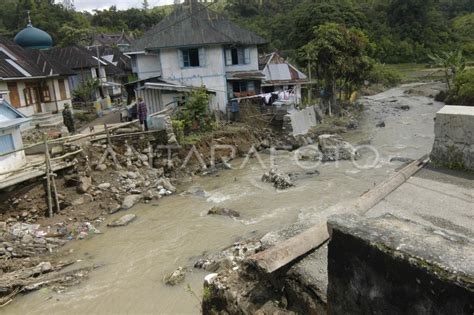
x=33 y=38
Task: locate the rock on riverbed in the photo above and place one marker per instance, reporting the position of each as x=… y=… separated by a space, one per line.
x=223 y=211
x=175 y=277
x=124 y=220
x=334 y=148
x=278 y=179
x=129 y=201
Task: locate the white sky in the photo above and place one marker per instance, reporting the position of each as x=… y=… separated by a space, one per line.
x=90 y=5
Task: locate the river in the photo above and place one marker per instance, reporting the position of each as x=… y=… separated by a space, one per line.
x=174 y=231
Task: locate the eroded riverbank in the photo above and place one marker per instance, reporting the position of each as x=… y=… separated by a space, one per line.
x=176 y=231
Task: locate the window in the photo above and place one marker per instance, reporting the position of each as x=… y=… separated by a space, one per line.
x=62 y=89
x=237 y=56
x=30 y=95
x=190 y=57
x=6 y=143
x=45 y=95
x=243 y=88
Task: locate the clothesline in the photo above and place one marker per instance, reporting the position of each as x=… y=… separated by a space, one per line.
x=263 y=95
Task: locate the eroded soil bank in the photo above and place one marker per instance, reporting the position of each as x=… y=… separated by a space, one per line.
x=176 y=230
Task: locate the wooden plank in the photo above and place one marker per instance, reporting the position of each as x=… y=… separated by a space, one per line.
x=287 y=251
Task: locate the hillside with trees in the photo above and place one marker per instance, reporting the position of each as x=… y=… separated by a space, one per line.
x=401 y=31
x=392 y=31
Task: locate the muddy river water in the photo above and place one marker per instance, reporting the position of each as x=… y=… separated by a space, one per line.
x=174 y=231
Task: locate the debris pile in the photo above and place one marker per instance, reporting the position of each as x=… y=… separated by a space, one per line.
x=334 y=148
x=278 y=179
x=223 y=211
x=22 y=240
x=229 y=258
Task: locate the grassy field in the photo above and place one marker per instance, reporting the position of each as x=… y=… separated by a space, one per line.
x=420 y=72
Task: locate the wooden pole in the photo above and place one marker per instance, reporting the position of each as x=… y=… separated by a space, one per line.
x=287 y=251
x=48 y=179
x=310 y=85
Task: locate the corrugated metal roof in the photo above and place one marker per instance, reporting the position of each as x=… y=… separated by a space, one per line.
x=9 y=116
x=21 y=59
x=277 y=69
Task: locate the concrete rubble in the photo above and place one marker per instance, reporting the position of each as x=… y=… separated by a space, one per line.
x=277 y=178
x=334 y=148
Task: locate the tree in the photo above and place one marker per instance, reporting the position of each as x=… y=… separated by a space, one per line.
x=341 y=56
x=86 y=90
x=452 y=62
x=145 y=5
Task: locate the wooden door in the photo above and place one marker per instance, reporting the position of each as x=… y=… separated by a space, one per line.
x=62 y=89
x=14 y=96
x=37 y=92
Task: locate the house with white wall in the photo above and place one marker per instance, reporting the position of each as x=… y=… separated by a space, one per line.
x=11 y=120
x=197 y=47
x=36 y=84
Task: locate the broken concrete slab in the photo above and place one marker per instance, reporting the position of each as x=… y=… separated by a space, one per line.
x=454 y=137
x=391 y=265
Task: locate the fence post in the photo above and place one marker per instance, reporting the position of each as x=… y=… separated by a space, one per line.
x=48 y=179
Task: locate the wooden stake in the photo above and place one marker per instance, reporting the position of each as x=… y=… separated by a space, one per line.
x=48 y=179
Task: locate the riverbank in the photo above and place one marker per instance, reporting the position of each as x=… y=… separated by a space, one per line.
x=176 y=230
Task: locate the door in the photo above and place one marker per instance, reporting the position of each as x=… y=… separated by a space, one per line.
x=62 y=89
x=33 y=95
x=14 y=96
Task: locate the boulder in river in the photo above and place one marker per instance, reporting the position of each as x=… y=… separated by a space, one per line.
x=278 y=179
x=122 y=221
x=335 y=148
x=380 y=124
x=175 y=277
x=130 y=200
x=223 y=211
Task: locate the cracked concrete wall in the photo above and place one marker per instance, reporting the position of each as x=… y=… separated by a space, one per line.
x=454 y=137
x=389 y=265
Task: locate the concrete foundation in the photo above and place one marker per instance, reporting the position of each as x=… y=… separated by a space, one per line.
x=454 y=137
x=388 y=265
x=299 y=122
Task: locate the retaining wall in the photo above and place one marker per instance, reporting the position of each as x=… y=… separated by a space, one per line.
x=389 y=265
x=454 y=137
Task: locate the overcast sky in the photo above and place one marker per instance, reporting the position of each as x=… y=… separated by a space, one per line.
x=90 y=5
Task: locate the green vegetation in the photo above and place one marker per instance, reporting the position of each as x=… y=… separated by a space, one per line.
x=384 y=75
x=195 y=113
x=452 y=63
x=402 y=30
x=462 y=92
x=341 y=58
x=69 y=27
x=86 y=89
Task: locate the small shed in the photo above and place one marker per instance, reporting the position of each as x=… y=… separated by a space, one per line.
x=281 y=75
x=10 y=137
x=158 y=95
